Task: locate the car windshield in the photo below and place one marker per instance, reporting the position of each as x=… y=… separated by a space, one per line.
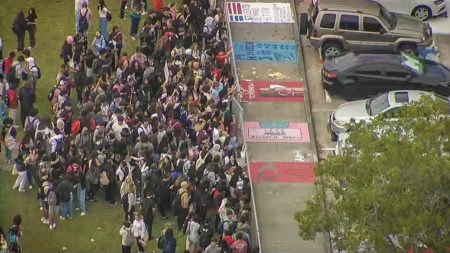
x=377 y=104
x=387 y=18
x=413 y=63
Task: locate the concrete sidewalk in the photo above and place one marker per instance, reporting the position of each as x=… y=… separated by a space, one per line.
x=278 y=196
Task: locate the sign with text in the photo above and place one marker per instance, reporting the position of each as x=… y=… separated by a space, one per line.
x=276 y=132
x=260 y=12
x=272 y=91
x=282 y=172
x=282 y=52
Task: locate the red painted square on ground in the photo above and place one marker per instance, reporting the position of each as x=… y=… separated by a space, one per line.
x=272 y=91
x=282 y=172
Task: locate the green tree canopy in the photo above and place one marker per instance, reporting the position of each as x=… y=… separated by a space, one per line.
x=393 y=177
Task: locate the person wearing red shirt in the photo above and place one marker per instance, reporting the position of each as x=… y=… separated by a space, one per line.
x=240 y=245
x=7 y=63
x=227 y=240
x=221 y=57
x=13 y=103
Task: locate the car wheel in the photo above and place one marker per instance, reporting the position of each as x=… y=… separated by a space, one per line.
x=331 y=49
x=303 y=23
x=422 y=13
x=408 y=49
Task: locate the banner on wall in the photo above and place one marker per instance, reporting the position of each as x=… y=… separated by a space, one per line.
x=280 y=52
x=276 y=132
x=260 y=12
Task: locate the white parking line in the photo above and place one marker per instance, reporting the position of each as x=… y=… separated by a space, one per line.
x=327 y=97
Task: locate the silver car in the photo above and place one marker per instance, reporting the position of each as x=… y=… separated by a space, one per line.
x=367 y=109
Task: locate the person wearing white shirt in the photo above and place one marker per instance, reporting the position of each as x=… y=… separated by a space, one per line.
x=139 y=232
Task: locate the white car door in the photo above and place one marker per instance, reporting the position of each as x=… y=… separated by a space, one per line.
x=398 y=6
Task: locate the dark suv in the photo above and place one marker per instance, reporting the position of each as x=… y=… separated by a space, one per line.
x=362 y=25
x=359 y=76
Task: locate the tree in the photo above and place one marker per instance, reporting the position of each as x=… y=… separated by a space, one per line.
x=393 y=178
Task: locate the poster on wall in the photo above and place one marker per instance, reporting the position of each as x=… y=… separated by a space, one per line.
x=280 y=52
x=260 y=12
x=272 y=91
x=276 y=132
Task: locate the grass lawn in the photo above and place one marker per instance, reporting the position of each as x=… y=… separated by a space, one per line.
x=55 y=21
x=101 y=223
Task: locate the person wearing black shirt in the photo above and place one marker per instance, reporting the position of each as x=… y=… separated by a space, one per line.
x=19 y=28
x=31 y=26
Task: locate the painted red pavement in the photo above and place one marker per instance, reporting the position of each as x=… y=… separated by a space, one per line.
x=272 y=91
x=282 y=172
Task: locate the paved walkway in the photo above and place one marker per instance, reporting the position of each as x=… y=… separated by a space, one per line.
x=276 y=128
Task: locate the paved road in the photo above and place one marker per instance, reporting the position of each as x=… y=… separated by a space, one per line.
x=282 y=167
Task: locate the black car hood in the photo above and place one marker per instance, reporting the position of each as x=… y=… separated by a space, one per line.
x=435 y=74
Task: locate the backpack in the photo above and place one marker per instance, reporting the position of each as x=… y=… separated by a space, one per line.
x=30 y=129
x=12 y=241
x=75 y=128
x=205 y=237
x=11 y=76
x=38 y=75
x=83 y=23
x=51 y=93
x=59 y=146
x=65 y=196
x=231 y=227
x=176 y=204
x=169 y=245
x=104 y=180
x=108 y=16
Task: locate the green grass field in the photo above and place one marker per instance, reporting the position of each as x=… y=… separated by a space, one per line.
x=55 y=21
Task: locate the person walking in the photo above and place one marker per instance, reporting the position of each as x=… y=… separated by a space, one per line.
x=19 y=28
x=103 y=23
x=137 y=9
x=31 y=26
x=127 y=237
x=129 y=198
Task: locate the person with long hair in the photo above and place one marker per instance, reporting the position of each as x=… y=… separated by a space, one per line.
x=31 y=26
x=103 y=23
x=15 y=235
x=19 y=28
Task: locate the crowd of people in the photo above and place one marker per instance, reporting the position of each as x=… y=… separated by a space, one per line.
x=153 y=130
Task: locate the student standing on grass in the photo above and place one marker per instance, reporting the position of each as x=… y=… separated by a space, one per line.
x=103 y=23
x=127 y=237
x=123 y=4
x=19 y=28
x=31 y=26
x=78 y=6
x=27 y=98
x=139 y=232
x=15 y=235
x=137 y=8
x=12 y=103
x=84 y=19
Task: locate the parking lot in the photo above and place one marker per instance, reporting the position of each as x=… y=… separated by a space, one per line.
x=322 y=105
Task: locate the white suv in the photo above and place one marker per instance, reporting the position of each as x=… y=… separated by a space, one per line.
x=421 y=9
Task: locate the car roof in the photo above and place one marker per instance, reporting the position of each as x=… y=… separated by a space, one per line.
x=363 y=6
x=401 y=97
x=359 y=59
